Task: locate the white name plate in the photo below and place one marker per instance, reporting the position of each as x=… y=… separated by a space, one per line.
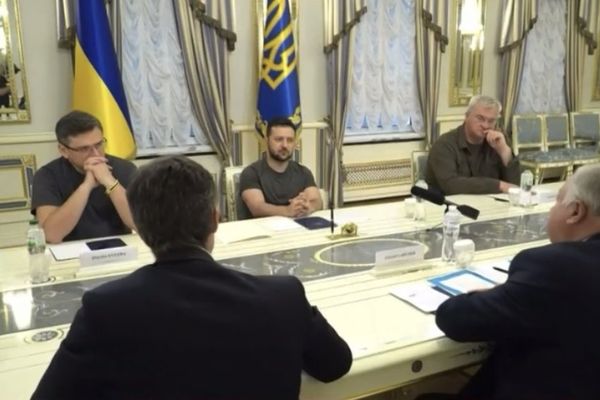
x=106 y=256
x=402 y=258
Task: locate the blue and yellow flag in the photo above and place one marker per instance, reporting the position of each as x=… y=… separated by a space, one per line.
x=278 y=94
x=97 y=85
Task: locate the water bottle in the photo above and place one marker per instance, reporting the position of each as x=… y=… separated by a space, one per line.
x=36 y=247
x=450 y=232
x=419 y=214
x=526 y=185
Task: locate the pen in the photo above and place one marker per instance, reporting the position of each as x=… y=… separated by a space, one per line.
x=500 y=269
x=502 y=200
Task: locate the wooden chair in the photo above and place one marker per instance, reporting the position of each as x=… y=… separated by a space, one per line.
x=528 y=144
x=418 y=165
x=232 y=192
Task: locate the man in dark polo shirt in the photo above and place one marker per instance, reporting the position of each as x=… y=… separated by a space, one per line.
x=474 y=158
x=81 y=194
x=275 y=184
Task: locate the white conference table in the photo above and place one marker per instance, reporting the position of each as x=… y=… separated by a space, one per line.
x=393 y=343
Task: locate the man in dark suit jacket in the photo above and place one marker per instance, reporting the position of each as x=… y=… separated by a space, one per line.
x=185 y=327
x=545 y=320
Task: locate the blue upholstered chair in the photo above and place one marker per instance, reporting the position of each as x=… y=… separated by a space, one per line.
x=527 y=135
x=528 y=143
x=585 y=137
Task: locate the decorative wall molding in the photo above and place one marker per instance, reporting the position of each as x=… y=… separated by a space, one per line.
x=11 y=167
x=24 y=138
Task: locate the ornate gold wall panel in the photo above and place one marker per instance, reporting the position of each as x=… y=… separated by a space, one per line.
x=16 y=175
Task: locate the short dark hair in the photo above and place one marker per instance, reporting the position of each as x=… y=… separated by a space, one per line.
x=172 y=201
x=280 y=121
x=74 y=123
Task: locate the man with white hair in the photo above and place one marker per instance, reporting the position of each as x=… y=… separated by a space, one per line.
x=474 y=158
x=545 y=320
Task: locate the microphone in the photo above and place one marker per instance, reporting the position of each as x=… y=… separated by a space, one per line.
x=429 y=195
x=439 y=199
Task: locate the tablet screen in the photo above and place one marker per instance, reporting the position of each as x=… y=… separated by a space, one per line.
x=105 y=244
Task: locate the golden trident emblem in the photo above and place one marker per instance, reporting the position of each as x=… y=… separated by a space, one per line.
x=274 y=72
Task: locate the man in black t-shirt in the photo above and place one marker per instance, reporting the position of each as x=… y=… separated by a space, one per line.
x=82 y=194
x=277 y=185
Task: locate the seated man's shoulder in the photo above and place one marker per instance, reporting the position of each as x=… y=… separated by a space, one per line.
x=255 y=166
x=54 y=165
x=448 y=137
x=251 y=172
x=284 y=286
x=549 y=259
x=296 y=166
x=52 y=171
x=120 y=162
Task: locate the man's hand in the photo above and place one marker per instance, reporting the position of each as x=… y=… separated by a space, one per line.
x=504 y=186
x=102 y=172
x=298 y=206
x=497 y=141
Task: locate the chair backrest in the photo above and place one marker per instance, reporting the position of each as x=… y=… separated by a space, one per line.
x=527 y=133
x=585 y=129
x=324 y=198
x=232 y=192
x=556 y=131
x=419 y=164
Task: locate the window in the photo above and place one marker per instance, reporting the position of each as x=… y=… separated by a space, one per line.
x=384 y=98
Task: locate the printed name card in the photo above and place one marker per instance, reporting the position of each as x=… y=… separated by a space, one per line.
x=402 y=258
x=106 y=256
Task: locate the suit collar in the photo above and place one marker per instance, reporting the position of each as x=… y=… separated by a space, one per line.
x=595 y=236
x=185 y=254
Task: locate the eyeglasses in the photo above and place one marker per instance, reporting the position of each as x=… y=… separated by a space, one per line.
x=87 y=149
x=481 y=119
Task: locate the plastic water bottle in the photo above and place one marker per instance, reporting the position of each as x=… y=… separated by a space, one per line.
x=36 y=246
x=419 y=214
x=526 y=186
x=450 y=232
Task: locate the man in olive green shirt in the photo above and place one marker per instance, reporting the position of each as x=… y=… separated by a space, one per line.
x=474 y=158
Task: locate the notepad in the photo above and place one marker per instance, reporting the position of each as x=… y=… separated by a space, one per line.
x=463 y=281
x=314 y=222
x=421 y=295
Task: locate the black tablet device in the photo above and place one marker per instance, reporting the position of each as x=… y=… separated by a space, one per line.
x=105 y=244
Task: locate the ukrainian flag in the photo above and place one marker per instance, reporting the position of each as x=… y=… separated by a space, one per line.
x=278 y=94
x=97 y=85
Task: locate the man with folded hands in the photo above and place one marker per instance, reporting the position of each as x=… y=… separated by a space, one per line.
x=82 y=194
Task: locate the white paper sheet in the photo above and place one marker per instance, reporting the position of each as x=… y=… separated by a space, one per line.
x=421 y=295
x=280 y=224
x=68 y=251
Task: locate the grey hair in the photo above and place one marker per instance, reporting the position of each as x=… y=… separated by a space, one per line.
x=584 y=186
x=485 y=101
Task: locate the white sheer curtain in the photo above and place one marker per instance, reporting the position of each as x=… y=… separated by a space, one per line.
x=154 y=79
x=543 y=83
x=384 y=95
